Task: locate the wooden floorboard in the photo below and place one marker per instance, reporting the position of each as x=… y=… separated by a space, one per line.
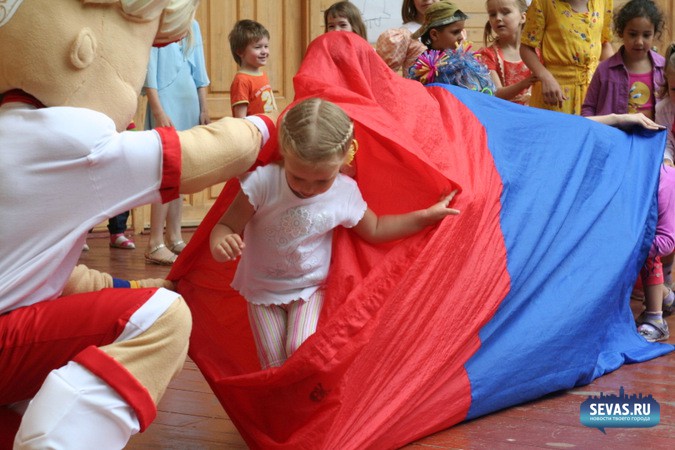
x=190 y=416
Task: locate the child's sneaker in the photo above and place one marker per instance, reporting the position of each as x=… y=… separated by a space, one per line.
x=652 y=331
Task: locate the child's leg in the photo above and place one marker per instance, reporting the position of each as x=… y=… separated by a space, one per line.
x=650 y=323
x=268 y=324
x=303 y=317
x=667 y=262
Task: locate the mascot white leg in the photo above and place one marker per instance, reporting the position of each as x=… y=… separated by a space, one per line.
x=74 y=405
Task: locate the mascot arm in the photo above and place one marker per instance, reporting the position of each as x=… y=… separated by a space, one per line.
x=217 y=152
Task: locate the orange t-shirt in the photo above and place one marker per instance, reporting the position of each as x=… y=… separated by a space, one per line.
x=254 y=90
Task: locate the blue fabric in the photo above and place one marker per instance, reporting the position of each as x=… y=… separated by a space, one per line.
x=578 y=215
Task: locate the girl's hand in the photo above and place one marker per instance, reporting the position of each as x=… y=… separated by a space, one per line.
x=228 y=249
x=441 y=209
x=531 y=80
x=640 y=120
x=552 y=91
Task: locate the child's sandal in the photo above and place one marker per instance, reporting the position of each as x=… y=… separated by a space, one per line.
x=654 y=332
x=119 y=240
x=154 y=256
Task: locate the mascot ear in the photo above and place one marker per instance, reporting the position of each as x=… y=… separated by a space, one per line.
x=83 y=50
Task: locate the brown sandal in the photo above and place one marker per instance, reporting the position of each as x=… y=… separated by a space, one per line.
x=153 y=258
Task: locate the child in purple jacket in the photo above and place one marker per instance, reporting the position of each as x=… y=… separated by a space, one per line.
x=627 y=81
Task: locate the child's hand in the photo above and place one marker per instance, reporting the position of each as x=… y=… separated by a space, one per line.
x=441 y=209
x=640 y=120
x=228 y=249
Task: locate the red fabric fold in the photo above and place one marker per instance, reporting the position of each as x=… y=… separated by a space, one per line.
x=385 y=366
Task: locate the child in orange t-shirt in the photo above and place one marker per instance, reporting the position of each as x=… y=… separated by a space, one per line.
x=250 y=92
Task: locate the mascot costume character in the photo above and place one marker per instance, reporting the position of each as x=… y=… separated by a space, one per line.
x=93 y=362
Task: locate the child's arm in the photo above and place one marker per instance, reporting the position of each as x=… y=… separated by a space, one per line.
x=511 y=91
x=376 y=229
x=240 y=110
x=550 y=87
x=626 y=121
x=161 y=118
x=226 y=243
x=204 y=118
x=664 y=117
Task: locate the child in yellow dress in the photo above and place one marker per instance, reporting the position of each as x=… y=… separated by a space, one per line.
x=573 y=36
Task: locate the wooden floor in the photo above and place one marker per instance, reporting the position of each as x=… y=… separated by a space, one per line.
x=190 y=416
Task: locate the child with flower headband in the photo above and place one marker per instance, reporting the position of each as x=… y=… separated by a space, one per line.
x=286 y=214
x=449 y=58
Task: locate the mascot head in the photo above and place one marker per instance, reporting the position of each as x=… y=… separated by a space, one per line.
x=86 y=53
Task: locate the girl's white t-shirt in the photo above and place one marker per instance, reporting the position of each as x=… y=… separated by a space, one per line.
x=288 y=241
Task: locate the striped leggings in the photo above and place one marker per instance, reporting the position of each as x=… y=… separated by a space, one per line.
x=278 y=330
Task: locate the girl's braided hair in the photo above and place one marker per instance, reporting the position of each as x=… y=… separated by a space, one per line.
x=316 y=130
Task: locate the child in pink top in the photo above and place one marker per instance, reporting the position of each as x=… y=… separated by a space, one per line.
x=659 y=299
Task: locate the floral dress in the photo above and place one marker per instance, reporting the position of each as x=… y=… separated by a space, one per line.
x=571 y=45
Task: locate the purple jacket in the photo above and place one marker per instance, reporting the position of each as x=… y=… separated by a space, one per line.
x=608 y=91
x=664 y=239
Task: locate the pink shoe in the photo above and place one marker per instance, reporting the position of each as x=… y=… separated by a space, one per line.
x=119 y=240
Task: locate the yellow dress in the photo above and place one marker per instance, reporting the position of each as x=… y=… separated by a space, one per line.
x=571 y=45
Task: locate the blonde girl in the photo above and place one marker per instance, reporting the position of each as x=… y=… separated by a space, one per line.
x=286 y=214
x=573 y=37
x=501 y=54
x=344 y=16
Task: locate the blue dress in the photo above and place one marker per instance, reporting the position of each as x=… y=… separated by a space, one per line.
x=176 y=77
